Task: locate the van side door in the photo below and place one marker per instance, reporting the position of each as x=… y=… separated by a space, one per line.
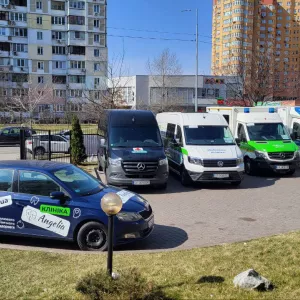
x=241 y=134
x=171 y=147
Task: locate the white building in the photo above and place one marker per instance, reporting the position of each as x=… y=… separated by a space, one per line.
x=146 y=91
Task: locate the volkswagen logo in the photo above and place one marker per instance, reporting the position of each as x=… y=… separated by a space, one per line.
x=220 y=164
x=282 y=155
x=141 y=167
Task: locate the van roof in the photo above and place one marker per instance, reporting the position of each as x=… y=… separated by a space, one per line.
x=194 y=119
x=124 y=117
x=258 y=118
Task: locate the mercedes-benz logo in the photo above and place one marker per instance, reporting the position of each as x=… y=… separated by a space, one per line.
x=282 y=155
x=220 y=164
x=141 y=167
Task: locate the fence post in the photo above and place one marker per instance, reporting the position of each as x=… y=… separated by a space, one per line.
x=49 y=150
x=22 y=144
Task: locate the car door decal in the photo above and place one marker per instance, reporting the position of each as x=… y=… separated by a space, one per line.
x=46 y=221
x=5 y=201
x=76 y=213
x=55 y=210
x=34 y=200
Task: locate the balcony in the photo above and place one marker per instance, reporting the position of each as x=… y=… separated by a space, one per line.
x=77 y=71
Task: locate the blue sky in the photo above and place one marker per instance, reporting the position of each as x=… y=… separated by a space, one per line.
x=159 y=15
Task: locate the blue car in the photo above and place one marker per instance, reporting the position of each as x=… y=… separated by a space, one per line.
x=60 y=201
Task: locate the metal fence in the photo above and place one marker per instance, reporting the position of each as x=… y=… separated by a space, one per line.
x=55 y=145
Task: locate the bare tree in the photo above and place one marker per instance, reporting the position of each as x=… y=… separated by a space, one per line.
x=28 y=97
x=165 y=71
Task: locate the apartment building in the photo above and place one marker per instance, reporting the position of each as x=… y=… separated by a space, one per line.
x=248 y=32
x=52 y=44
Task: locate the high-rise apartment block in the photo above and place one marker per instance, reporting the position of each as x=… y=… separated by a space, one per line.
x=253 y=32
x=61 y=44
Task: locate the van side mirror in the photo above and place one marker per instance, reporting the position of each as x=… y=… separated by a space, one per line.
x=238 y=141
x=294 y=136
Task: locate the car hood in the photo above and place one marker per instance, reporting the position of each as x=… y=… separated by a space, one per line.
x=131 y=201
x=274 y=146
x=138 y=154
x=214 y=152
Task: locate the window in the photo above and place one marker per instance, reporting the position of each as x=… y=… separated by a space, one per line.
x=3 y=15
x=59 y=79
x=40 y=50
x=76 y=20
x=241 y=133
x=40 y=65
x=179 y=136
x=77 y=4
x=55 y=5
x=2 y=31
x=57 y=64
x=96 y=8
x=20 y=47
x=97 y=23
x=170 y=131
x=77 y=79
x=96 y=52
x=41 y=79
x=296 y=132
x=18 y=17
x=59 y=50
x=21 y=32
x=96 y=81
x=39 y=5
x=60 y=93
x=75 y=93
x=58 y=35
x=20 y=62
x=97 y=67
x=77 y=64
x=79 y=50
x=35 y=183
x=58 y=20
x=39 y=20
x=39 y=35
x=96 y=38
x=6 y=176
x=80 y=35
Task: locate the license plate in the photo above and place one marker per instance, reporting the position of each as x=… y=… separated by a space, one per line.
x=282 y=167
x=221 y=175
x=151 y=222
x=141 y=182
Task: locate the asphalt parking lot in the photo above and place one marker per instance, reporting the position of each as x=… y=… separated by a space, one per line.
x=206 y=215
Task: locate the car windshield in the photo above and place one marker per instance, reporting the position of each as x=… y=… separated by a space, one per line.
x=267 y=132
x=208 y=135
x=135 y=136
x=78 y=181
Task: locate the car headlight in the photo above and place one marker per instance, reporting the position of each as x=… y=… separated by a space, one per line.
x=195 y=160
x=129 y=216
x=115 y=161
x=163 y=162
x=261 y=154
x=240 y=160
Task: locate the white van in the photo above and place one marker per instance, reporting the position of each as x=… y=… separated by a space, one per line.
x=201 y=148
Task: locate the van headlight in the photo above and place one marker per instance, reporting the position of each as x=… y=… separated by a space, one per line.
x=115 y=162
x=240 y=160
x=163 y=162
x=195 y=160
x=261 y=154
x=129 y=216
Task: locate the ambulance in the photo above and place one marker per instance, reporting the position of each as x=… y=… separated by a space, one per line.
x=263 y=138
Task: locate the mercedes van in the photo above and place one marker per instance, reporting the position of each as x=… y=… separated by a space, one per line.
x=130 y=149
x=264 y=140
x=201 y=148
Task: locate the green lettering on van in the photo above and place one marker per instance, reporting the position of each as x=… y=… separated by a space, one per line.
x=55 y=210
x=184 y=151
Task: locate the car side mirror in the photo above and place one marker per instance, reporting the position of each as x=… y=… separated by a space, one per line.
x=59 y=196
x=238 y=141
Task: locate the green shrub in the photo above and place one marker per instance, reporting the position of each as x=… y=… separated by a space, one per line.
x=130 y=286
x=77 y=146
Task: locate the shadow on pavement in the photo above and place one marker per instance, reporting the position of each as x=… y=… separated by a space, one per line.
x=162 y=237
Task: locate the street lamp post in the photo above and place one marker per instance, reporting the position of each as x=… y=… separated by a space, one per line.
x=197 y=60
x=111 y=204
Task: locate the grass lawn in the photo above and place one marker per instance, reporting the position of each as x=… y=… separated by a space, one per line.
x=40 y=275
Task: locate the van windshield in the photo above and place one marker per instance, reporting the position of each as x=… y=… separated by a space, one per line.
x=208 y=135
x=267 y=132
x=135 y=136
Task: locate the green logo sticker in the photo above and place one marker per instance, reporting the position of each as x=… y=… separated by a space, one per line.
x=55 y=210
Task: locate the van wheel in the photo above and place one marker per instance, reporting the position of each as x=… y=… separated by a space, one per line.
x=92 y=236
x=39 y=151
x=249 y=170
x=185 y=178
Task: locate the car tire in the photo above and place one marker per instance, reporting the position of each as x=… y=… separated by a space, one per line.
x=185 y=178
x=236 y=183
x=92 y=236
x=249 y=169
x=40 y=151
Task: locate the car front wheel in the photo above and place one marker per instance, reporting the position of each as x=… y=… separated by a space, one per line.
x=40 y=151
x=92 y=236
